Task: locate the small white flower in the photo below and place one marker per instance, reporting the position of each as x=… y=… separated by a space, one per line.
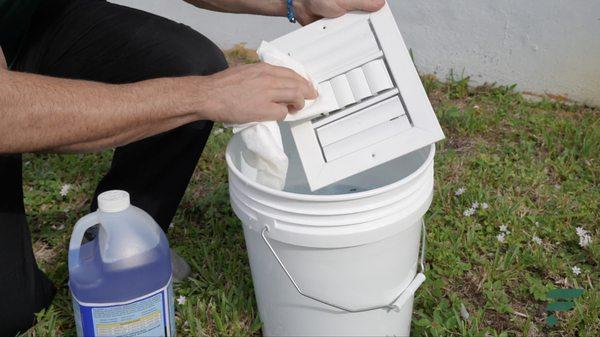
x=460 y=191
x=475 y=205
x=537 y=224
x=504 y=228
x=580 y=231
x=64 y=190
x=576 y=270
x=501 y=237
x=485 y=205
x=171 y=226
x=476 y=107
x=537 y=240
x=557 y=186
x=585 y=240
x=218 y=131
x=58 y=228
x=469 y=212
x=584 y=236
x=181 y=300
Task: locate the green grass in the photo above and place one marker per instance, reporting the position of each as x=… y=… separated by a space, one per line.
x=535 y=164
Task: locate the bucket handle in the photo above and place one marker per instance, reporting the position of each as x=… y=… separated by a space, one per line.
x=395 y=305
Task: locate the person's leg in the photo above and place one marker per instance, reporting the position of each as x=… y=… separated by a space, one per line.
x=100 y=41
x=24 y=289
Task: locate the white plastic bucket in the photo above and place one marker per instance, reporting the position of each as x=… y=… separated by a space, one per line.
x=340 y=262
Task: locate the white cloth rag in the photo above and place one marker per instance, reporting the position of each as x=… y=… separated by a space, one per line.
x=263 y=158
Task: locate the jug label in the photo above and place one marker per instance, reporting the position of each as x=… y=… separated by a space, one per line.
x=149 y=315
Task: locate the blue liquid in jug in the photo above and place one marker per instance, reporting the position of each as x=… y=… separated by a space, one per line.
x=122 y=284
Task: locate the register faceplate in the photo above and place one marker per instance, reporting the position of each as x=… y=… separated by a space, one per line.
x=381 y=109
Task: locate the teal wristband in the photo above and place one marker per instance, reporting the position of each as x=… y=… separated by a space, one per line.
x=290 y=11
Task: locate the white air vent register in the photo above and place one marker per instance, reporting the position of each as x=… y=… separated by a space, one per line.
x=382 y=111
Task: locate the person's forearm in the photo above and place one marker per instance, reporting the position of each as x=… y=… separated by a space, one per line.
x=261 y=7
x=305 y=11
x=39 y=113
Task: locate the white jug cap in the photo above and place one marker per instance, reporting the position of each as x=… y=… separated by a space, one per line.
x=113 y=201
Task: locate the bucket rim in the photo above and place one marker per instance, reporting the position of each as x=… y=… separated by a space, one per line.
x=331 y=197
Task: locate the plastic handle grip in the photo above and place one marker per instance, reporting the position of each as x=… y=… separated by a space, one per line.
x=80 y=227
x=409 y=292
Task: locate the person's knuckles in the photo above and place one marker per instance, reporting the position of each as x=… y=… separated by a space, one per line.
x=271 y=94
x=277 y=82
x=282 y=73
x=289 y=73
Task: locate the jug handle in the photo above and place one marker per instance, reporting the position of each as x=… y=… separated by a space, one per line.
x=78 y=231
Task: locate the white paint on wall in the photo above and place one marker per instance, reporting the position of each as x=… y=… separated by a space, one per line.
x=550 y=46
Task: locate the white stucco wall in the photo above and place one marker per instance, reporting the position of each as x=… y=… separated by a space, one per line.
x=544 y=46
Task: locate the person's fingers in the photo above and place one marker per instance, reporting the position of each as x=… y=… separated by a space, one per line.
x=308 y=92
x=277 y=112
x=363 y=5
x=286 y=73
x=291 y=97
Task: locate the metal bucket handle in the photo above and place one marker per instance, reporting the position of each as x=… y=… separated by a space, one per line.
x=407 y=292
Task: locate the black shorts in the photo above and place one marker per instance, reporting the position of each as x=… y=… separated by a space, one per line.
x=100 y=41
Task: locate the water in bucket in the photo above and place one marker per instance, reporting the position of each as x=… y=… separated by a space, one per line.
x=121 y=280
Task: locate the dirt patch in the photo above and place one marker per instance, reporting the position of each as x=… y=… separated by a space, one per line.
x=469 y=289
x=470 y=286
x=43 y=252
x=462 y=145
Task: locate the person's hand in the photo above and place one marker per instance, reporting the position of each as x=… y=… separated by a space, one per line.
x=255 y=92
x=308 y=11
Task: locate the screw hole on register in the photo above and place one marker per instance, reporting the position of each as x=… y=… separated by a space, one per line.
x=373 y=155
x=324 y=27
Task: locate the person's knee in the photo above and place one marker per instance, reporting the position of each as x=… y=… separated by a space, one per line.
x=212 y=62
x=195 y=54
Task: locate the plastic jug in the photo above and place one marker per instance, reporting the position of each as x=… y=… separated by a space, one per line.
x=121 y=281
